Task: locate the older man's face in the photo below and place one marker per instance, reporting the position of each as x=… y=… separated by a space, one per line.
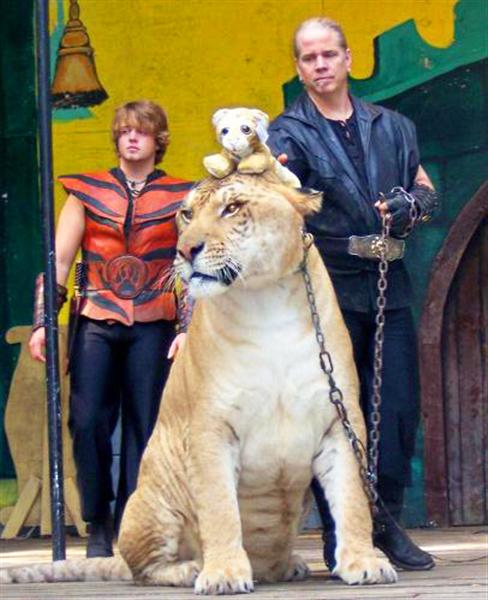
x=322 y=63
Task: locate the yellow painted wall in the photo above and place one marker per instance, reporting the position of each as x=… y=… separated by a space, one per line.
x=194 y=56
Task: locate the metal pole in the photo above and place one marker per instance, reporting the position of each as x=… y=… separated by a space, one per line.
x=52 y=352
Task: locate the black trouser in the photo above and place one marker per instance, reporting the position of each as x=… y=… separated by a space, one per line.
x=399 y=394
x=114 y=367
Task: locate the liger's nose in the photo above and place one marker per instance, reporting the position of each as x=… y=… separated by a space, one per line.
x=190 y=252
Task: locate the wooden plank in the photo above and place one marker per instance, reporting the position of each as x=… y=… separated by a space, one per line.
x=452 y=402
x=470 y=383
x=443 y=270
x=22 y=507
x=484 y=341
x=459 y=575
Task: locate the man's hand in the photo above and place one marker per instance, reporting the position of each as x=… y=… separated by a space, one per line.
x=282 y=158
x=383 y=208
x=396 y=207
x=37 y=344
x=176 y=345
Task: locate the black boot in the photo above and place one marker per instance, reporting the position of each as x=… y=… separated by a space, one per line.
x=393 y=541
x=100 y=538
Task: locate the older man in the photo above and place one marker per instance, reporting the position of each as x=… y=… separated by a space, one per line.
x=366 y=161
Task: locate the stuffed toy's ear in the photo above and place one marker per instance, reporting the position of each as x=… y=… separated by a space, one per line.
x=261 y=117
x=218 y=115
x=262 y=121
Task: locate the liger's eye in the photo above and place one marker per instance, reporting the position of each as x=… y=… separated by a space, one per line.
x=224 y=131
x=186 y=214
x=245 y=129
x=231 y=209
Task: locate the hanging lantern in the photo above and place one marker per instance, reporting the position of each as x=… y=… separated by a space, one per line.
x=75 y=81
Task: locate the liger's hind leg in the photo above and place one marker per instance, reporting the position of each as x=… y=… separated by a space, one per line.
x=150 y=541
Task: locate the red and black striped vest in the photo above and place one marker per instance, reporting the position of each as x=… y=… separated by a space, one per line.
x=129 y=244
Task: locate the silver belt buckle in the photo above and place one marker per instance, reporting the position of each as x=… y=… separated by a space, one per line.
x=369 y=246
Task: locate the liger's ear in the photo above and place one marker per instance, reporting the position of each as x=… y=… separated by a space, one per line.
x=305 y=200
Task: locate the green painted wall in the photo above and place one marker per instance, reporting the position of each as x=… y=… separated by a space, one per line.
x=20 y=255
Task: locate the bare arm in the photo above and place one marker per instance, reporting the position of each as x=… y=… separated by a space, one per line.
x=422 y=178
x=69 y=233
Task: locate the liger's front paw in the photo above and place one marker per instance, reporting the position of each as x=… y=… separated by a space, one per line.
x=365 y=569
x=218 y=165
x=229 y=575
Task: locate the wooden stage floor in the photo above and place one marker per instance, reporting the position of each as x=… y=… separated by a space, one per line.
x=461 y=573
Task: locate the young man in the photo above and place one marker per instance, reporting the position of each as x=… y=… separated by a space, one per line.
x=366 y=161
x=123 y=220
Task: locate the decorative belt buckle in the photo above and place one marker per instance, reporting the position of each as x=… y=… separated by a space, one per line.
x=126 y=276
x=369 y=246
x=376 y=246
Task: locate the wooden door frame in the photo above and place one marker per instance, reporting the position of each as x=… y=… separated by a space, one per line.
x=443 y=270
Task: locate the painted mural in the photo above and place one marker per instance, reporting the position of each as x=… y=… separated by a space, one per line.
x=194 y=57
x=75 y=81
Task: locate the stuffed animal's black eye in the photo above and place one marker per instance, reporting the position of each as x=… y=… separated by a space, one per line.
x=245 y=129
x=224 y=131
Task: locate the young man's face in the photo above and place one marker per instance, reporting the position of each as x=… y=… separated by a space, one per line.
x=322 y=63
x=135 y=145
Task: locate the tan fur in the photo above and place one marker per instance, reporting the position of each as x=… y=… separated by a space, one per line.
x=242 y=133
x=245 y=420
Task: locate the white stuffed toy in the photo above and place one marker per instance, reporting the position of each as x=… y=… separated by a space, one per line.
x=243 y=134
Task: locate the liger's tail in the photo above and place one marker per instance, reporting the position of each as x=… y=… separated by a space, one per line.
x=83 y=569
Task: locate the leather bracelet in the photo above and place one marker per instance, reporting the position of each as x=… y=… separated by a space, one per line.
x=38 y=319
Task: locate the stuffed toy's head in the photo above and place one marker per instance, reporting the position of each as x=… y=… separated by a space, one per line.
x=241 y=130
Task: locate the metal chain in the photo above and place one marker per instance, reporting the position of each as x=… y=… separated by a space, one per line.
x=413 y=212
x=369 y=475
x=335 y=395
x=375 y=415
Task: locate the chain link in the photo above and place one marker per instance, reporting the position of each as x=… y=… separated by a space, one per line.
x=335 y=395
x=368 y=470
x=375 y=415
x=413 y=212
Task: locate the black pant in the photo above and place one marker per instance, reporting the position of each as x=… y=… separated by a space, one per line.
x=114 y=367
x=400 y=403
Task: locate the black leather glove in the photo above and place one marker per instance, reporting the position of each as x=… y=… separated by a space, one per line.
x=408 y=208
x=427 y=201
x=399 y=205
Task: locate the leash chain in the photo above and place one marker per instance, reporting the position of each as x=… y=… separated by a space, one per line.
x=413 y=211
x=369 y=475
x=382 y=284
x=375 y=416
x=335 y=395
